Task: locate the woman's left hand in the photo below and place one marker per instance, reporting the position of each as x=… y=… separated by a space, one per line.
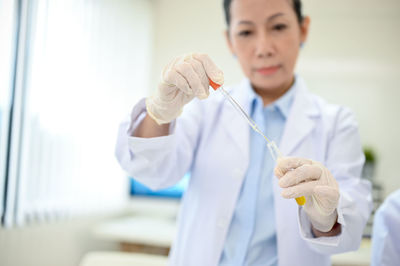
x=303 y=177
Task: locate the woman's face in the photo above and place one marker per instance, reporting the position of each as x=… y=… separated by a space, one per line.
x=265 y=35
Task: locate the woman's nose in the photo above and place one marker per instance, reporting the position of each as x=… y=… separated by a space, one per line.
x=264 y=46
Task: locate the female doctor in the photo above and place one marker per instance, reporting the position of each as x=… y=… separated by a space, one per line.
x=238 y=208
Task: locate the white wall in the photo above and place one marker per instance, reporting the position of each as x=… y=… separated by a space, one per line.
x=351 y=58
x=183 y=26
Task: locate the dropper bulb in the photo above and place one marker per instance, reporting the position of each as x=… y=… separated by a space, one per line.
x=214 y=85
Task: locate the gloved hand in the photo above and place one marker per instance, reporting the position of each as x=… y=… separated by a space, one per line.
x=303 y=177
x=183 y=79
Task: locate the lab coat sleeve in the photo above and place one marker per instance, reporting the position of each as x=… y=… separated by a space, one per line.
x=158 y=162
x=345 y=160
x=386 y=233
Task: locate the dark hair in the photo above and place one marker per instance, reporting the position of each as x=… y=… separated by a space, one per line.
x=296 y=7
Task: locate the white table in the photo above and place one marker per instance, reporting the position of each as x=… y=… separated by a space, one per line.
x=122 y=259
x=149 y=229
x=152 y=226
x=361 y=257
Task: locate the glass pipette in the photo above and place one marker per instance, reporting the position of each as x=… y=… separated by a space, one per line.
x=275 y=152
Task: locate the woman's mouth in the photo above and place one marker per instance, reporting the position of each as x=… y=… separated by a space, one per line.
x=267 y=71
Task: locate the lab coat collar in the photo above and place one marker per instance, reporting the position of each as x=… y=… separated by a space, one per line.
x=299 y=116
x=283 y=104
x=301 y=119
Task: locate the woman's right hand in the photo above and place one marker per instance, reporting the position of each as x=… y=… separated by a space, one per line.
x=183 y=79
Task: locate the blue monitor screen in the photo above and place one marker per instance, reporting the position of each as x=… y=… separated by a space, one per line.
x=176 y=191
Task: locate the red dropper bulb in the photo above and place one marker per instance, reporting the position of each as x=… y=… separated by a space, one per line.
x=214 y=85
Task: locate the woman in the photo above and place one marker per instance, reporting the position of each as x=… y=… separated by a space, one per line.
x=235 y=211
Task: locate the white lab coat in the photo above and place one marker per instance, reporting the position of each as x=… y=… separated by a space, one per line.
x=212 y=141
x=386 y=233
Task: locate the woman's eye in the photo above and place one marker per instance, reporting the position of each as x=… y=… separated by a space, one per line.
x=279 y=27
x=244 y=33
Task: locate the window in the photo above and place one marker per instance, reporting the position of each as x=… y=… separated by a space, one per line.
x=84 y=64
x=8 y=34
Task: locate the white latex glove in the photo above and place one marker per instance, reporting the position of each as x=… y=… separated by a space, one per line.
x=183 y=79
x=303 y=177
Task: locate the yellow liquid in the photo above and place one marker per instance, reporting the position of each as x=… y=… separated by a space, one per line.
x=301 y=200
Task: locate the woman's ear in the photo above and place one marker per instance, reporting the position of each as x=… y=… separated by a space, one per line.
x=304 y=29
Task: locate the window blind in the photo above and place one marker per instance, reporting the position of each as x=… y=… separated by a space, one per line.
x=88 y=63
